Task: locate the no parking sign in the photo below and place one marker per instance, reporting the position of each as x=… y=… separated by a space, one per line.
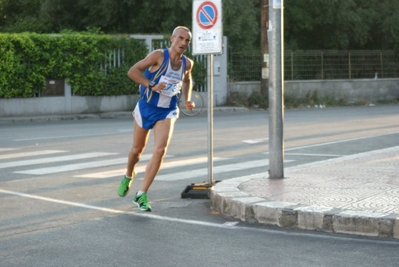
x=207 y=27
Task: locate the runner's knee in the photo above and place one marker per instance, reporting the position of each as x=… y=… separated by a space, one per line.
x=136 y=151
x=160 y=151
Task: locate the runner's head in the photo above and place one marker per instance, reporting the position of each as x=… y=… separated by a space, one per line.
x=174 y=33
x=181 y=38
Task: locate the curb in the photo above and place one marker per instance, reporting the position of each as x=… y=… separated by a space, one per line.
x=227 y=199
x=104 y=115
x=48 y=118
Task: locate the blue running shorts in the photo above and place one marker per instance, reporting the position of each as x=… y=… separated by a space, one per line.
x=147 y=115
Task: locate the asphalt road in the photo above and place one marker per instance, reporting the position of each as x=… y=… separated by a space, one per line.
x=59 y=205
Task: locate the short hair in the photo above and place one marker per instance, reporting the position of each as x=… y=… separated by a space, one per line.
x=183 y=28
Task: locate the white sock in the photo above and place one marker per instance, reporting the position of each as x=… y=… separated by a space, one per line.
x=139 y=193
x=128 y=177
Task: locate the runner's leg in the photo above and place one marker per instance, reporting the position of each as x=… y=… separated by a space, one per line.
x=163 y=131
x=140 y=138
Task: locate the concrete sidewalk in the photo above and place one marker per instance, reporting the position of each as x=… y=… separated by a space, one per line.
x=356 y=194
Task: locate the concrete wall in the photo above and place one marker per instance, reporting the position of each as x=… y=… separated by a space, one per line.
x=370 y=90
x=67 y=104
x=58 y=105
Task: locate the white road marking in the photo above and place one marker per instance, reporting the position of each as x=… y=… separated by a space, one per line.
x=165 y=165
x=52 y=159
x=337 y=142
x=219 y=169
x=62 y=136
x=139 y=169
x=79 y=166
x=193 y=222
x=310 y=154
x=69 y=203
x=256 y=141
x=32 y=153
x=74 y=167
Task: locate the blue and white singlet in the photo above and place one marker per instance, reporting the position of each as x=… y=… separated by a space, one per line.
x=154 y=106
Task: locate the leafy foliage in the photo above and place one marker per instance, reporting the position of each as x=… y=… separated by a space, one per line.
x=90 y=62
x=240 y=18
x=341 y=24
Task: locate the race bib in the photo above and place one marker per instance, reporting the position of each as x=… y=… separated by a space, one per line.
x=172 y=88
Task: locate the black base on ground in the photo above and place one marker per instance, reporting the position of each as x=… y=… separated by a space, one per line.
x=197 y=191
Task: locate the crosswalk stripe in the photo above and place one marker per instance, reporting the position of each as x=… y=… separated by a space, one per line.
x=140 y=169
x=29 y=154
x=79 y=166
x=255 y=141
x=74 y=167
x=219 y=169
x=52 y=159
x=309 y=154
x=62 y=167
x=312 y=154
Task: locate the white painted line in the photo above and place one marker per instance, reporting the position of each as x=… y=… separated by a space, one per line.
x=220 y=169
x=60 y=201
x=28 y=154
x=80 y=166
x=309 y=154
x=256 y=141
x=341 y=159
x=60 y=137
x=165 y=165
x=193 y=222
x=316 y=155
x=337 y=142
x=7 y=149
x=74 y=167
x=52 y=159
x=121 y=172
x=138 y=214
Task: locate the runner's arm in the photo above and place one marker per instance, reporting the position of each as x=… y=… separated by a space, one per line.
x=153 y=61
x=187 y=85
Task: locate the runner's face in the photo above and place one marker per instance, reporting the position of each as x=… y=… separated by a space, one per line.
x=181 y=40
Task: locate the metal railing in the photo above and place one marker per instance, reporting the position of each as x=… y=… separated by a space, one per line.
x=320 y=65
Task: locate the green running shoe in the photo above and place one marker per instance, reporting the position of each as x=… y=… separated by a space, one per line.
x=124 y=187
x=141 y=202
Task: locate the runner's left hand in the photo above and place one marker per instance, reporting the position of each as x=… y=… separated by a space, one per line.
x=190 y=105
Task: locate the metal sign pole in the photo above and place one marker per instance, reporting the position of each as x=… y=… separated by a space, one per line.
x=207 y=40
x=210 y=118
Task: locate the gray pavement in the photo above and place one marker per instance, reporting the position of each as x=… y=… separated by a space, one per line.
x=357 y=194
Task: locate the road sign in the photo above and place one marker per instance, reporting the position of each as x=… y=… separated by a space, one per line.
x=207 y=27
x=207 y=15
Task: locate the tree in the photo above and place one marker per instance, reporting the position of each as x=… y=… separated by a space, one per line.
x=309 y=24
x=341 y=24
x=240 y=18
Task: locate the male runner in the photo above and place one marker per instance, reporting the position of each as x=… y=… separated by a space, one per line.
x=161 y=75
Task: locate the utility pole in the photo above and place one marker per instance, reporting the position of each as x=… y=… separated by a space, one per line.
x=264 y=44
x=276 y=90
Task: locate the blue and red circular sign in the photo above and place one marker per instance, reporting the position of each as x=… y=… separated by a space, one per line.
x=207 y=15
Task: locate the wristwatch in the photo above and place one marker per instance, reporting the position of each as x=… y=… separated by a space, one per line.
x=151 y=84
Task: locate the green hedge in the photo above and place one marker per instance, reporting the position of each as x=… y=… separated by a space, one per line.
x=87 y=60
x=94 y=64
